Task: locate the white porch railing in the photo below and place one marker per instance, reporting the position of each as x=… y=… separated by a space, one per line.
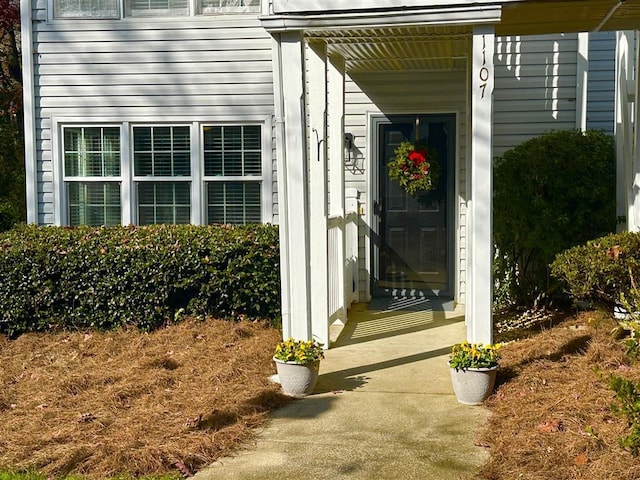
x=343 y=264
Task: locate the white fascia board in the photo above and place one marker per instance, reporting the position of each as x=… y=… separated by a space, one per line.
x=298 y=6
x=470 y=15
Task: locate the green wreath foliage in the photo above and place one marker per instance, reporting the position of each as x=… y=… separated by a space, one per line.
x=415 y=167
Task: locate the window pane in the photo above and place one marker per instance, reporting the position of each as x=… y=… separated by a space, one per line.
x=252 y=163
x=158 y=7
x=93 y=164
x=93 y=139
x=233 y=202
x=164 y=202
x=142 y=139
x=232 y=138
x=94 y=203
x=181 y=163
x=232 y=164
x=229 y=6
x=252 y=137
x=91 y=151
x=85 y=9
x=162 y=151
x=233 y=150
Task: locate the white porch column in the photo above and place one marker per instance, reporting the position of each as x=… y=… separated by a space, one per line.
x=317 y=97
x=292 y=185
x=335 y=118
x=28 y=87
x=627 y=162
x=479 y=277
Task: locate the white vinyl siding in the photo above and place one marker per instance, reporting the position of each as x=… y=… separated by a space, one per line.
x=601 y=81
x=157 y=70
x=86 y=9
x=535 y=87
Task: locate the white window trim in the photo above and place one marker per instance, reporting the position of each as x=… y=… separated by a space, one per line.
x=60 y=179
x=127 y=178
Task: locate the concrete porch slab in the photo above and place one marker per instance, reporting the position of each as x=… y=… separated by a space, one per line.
x=383 y=408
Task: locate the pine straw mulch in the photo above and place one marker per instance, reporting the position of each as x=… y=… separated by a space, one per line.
x=550 y=416
x=126 y=402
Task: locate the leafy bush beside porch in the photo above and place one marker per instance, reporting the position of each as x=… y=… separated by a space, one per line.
x=550 y=193
x=601 y=270
x=56 y=277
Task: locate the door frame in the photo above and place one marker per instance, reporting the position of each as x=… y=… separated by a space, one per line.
x=373 y=189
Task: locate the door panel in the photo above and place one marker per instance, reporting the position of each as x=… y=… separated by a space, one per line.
x=414 y=242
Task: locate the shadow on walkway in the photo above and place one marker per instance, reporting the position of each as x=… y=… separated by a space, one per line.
x=383 y=409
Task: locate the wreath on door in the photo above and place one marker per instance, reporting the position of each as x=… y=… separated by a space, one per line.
x=415 y=167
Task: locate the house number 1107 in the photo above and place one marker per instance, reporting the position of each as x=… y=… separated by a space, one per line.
x=484 y=71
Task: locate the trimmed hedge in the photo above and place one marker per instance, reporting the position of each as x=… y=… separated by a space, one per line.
x=550 y=193
x=602 y=269
x=57 y=277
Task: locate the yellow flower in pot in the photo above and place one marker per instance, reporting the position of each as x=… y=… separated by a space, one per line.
x=473 y=371
x=298 y=364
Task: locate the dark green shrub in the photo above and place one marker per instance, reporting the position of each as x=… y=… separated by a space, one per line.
x=550 y=193
x=53 y=277
x=601 y=270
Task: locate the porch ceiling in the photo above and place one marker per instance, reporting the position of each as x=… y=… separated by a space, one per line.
x=398 y=48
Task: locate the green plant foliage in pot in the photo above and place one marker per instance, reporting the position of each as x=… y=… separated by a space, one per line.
x=415 y=167
x=298 y=364
x=467 y=355
x=299 y=351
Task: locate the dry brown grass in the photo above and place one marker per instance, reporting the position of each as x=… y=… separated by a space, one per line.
x=101 y=404
x=551 y=417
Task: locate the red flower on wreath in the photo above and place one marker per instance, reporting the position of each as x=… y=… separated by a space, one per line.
x=418 y=157
x=415 y=167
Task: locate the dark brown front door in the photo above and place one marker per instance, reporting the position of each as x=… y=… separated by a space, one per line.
x=414 y=243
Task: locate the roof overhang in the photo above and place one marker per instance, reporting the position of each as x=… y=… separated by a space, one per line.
x=432 y=35
x=460 y=15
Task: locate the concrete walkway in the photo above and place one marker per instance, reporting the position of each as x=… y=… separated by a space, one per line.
x=383 y=409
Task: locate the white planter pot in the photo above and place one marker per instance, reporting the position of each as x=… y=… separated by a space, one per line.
x=297 y=380
x=474 y=385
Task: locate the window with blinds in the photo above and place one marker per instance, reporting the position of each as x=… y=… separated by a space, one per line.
x=145 y=8
x=162 y=170
x=233 y=173
x=229 y=6
x=92 y=169
x=163 y=173
x=164 y=202
x=95 y=203
x=86 y=9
